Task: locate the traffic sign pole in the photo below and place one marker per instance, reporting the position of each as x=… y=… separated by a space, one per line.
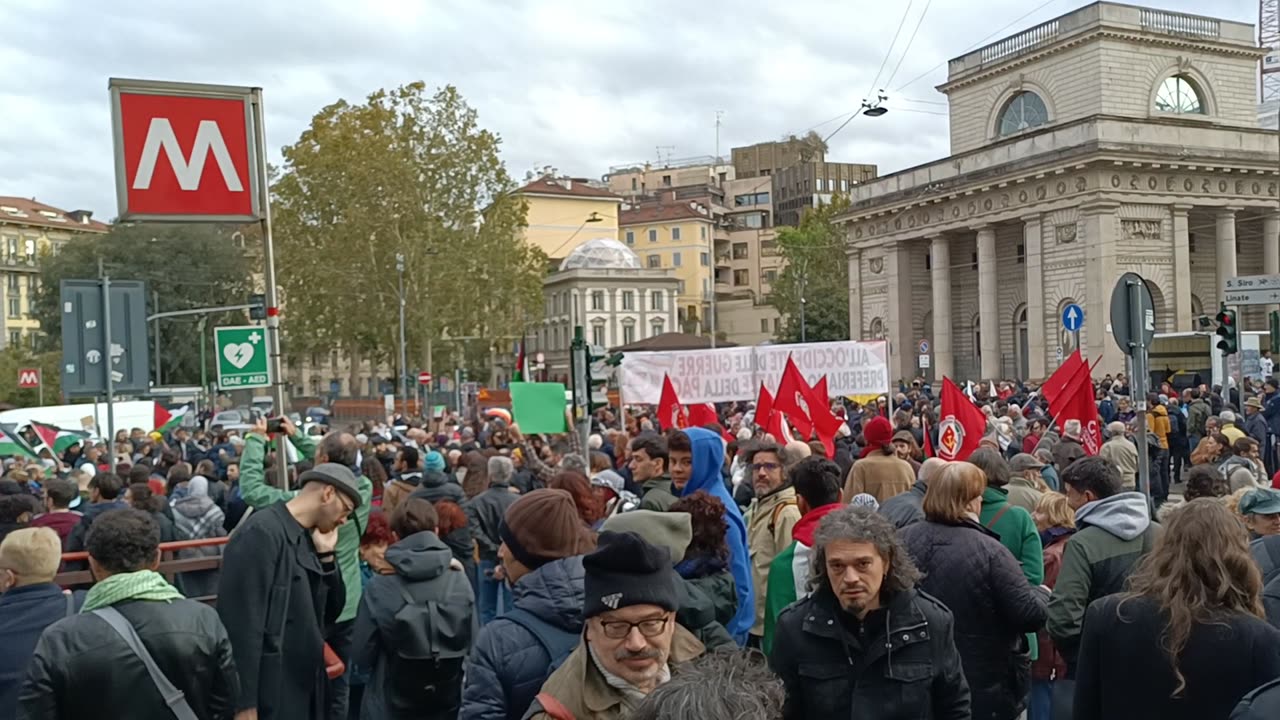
x=272 y=301
x=107 y=359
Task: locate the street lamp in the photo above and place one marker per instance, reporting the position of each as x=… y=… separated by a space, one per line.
x=404 y=373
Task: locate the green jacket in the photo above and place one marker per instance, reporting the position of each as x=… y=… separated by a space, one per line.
x=1018 y=533
x=657 y=494
x=258 y=494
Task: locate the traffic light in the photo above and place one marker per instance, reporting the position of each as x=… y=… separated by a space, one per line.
x=599 y=369
x=1229 y=343
x=258 y=307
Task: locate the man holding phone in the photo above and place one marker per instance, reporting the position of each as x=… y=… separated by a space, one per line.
x=339 y=448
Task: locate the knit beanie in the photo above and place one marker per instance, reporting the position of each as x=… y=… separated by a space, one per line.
x=624 y=571
x=877 y=433
x=434 y=461
x=670 y=530
x=543 y=526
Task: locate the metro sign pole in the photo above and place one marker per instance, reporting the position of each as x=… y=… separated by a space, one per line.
x=187 y=152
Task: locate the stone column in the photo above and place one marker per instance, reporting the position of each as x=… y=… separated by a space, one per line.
x=1032 y=243
x=1099 y=226
x=1183 y=322
x=897 y=267
x=988 y=307
x=1271 y=249
x=1226 y=260
x=940 y=275
x=855 y=294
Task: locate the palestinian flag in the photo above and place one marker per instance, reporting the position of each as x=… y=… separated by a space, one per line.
x=518 y=375
x=166 y=421
x=12 y=445
x=57 y=439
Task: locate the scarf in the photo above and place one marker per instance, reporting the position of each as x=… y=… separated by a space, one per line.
x=632 y=696
x=121 y=587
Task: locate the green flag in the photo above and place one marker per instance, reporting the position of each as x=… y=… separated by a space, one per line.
x=12 y=445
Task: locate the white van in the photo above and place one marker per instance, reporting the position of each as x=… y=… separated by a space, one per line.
x=90 y=417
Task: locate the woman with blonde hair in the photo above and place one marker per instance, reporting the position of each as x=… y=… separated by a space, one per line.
x=977 y=578
x=1187 y=638
x=1056 y=522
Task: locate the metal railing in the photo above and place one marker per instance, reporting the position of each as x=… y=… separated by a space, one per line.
x=170 y=567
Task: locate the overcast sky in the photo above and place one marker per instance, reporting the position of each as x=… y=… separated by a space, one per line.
x=577 y=84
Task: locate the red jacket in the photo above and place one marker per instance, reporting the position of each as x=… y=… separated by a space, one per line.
x=60 y=522
x=1029 y=443
x=1050 y=664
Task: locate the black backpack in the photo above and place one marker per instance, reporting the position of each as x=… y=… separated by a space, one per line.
x=1261 y=704
x=558 y=643
x=429 y=642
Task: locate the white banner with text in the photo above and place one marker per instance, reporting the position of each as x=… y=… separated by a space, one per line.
x=735 y=373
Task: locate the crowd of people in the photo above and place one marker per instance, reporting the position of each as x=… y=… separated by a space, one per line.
x=441 y=569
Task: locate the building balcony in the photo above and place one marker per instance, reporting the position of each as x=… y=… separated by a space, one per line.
x=722 y=262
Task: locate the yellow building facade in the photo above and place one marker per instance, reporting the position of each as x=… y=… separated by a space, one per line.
x=679 y=237
x=564 y=213
x=28 y=230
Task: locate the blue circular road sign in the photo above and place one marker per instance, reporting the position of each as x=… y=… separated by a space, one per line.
x=1072 y=317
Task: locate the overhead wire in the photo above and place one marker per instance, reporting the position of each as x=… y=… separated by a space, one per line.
x=910 y=40
x=977 y=44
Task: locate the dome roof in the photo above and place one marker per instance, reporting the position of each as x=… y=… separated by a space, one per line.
x=601 y=254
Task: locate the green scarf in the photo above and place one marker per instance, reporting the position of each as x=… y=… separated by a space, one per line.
x=141 y=585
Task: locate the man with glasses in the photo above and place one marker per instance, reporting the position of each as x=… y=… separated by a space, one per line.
x=631 y=643
x=280 y=589
x=770 y=518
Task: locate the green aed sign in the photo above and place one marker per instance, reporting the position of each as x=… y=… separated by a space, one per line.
x=242 y=357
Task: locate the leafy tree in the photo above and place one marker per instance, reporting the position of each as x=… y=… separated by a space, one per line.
x=188 y=266
x=815 y=270
x=15 y=358
x=406 y=173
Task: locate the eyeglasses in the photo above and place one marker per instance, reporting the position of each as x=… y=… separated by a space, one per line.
x=767 y=467
x=619 y=629
x=348 y=507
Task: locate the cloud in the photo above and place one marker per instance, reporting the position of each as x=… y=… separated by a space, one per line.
x=576 y=84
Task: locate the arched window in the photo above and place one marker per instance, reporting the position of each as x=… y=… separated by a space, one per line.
x=1179 y=94
x=877 y=329
x=1025 y=110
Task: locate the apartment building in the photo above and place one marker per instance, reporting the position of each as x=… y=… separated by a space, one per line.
x=565 y=212
x=28 y=230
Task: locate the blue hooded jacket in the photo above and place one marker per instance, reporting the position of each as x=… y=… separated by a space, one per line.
x=708 y=458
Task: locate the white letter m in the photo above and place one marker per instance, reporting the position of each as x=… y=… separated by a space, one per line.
x=208 y=139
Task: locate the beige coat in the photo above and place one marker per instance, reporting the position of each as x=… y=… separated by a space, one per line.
x=879 y=475
x=1122 y=453
x=581 y=688
x=769 y=523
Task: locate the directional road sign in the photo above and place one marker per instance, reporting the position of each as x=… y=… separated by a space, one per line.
x=84 y=366
x=1252 y=290
x=242 y=357
x=1073 y=317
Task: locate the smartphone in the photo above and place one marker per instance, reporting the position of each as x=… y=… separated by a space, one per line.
x=275 y=425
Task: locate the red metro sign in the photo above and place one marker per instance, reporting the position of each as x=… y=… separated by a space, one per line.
x=186 y=152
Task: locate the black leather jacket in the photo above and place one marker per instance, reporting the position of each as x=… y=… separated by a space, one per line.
x=900 y=663
x=83 y=669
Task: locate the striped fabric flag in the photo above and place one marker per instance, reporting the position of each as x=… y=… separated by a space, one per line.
x=13 y=445
x=166 y=421
x=57 y=439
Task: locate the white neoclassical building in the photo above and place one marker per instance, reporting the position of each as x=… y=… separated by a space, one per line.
x=1114 y=138
x=603 y=287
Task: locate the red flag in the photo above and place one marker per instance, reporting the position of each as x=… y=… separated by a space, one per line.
x=826 y=424
x=793 y=394
x=670 y=413
x=961 y=426
x=776 y=426
x=1075 y=402
x=928 y=443
x=764 y=406
x=1056 y=384
x=703 y=414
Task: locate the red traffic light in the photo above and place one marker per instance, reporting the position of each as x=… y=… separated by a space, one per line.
x=1226 y=318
